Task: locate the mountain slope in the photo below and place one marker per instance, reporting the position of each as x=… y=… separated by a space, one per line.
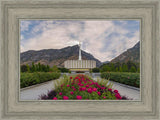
x=132 y=54
x=55 y=56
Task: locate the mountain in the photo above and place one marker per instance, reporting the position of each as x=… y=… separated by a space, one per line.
x=132 y=54
x=105 y=62
x=55 y=56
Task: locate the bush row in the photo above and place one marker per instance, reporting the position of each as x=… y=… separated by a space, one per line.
x=132 y=79
x=28 y=79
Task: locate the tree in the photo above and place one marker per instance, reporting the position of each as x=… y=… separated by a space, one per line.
x=133 y=69
x=120 y=69
x=33 y=67
x=95 y=70
x=55 y=69
x=124 y=68
x=24 y=68
x=28 y=68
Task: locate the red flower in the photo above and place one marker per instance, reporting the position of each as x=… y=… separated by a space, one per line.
x=54 y=98
x=87 y=86
x=79 y=97
x=60 y=93
x=115 y=91
x=89 y=90
x=99 y=93
x=109 y=89
x=74 y=89
x=98 y=86
x=81 y=84
x=117 y=95
x=83 y=89
x=94 y=89
x=103 y=88
x=71 y=77
x=65 y=97
x=71 y=92
x=67 y=85
x=104 y=97
x=80 y=89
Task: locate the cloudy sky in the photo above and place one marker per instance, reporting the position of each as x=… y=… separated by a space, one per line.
x=103 y=39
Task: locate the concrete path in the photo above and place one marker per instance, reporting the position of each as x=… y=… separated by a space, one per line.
x=33 y=92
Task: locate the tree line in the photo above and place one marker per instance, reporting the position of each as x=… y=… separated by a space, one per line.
x=118 y=67
x=41 y=68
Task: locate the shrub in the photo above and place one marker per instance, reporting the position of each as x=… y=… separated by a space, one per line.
x=132 y=79
x=95 y=70
x=82 y=87
x=28 y=79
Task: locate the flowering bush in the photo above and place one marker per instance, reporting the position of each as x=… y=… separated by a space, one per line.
x=82 y=87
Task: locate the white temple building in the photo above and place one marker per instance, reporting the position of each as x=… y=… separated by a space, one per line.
x=79 y=65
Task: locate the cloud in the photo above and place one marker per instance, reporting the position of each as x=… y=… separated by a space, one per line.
x=103 y=39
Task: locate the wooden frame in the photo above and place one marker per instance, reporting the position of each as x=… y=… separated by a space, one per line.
x=15 y=10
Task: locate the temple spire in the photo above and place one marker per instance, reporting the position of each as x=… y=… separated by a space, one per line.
x=80 y=56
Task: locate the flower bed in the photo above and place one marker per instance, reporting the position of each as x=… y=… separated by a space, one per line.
x=82 y=87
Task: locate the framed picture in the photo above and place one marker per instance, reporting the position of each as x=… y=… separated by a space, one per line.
x=119 y=39
x=84 y=60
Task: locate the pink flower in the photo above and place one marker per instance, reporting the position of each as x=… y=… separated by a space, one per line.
x=80 y=89
x=128 y=77
x=115 y=91
x=89 y=90
x=72 y=83
x=99 y=93
x=103 y=88
x=65 y=98
x=98 y=86
x=74 y=89
x=71 y=92
x=117 y=95
x=87 y=86
x=81 y=84
x=60 y=93
x=94 y=89
x=109 y=89
x=67 y=85
x=54 y=98
x=83 y=89
x=79 y=97
x=104 y=97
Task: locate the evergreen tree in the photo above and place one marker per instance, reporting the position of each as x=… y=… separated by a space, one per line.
x=28 y=68
x=23 y=68
x=133 y=69
x=124 y=68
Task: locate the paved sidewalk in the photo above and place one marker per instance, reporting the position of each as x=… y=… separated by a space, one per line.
x=33 y=93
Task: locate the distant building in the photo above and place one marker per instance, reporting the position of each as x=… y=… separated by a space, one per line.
x=79 y=65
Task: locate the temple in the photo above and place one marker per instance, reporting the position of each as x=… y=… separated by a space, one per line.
x=79 y=65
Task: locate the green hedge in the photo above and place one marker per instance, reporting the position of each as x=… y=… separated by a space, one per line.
x=28 y=79
x=132 y=79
